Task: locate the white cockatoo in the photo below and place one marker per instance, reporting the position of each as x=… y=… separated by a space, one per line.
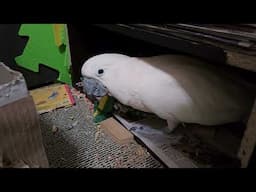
x=176 y=88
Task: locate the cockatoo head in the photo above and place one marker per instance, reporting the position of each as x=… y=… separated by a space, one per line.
x=97 y=71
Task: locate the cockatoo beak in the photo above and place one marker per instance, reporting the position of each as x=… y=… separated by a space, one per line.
x=94 y=89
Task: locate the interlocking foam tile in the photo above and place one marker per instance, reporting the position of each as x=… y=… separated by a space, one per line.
x=47 y=45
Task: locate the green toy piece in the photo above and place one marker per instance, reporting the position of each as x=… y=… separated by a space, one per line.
x=47 y=45
x=103 y=109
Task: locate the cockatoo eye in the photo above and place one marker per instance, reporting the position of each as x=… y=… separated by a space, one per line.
x=100 y=71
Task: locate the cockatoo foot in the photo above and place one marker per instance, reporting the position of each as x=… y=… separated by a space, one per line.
x=172 y=124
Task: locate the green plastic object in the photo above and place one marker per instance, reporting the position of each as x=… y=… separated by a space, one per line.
x=105 y=111
x=47 y=45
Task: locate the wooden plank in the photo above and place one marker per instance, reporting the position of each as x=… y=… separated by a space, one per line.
x=225 y=42
x=52 y=97
x=204 y=51
x=249 y=139
x=116 y=131
x=242 y=61
x=225 y=31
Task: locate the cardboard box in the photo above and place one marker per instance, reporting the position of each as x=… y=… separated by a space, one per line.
x=21 y=142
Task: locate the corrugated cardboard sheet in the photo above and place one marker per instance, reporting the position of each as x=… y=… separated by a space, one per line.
x=20 y=135
x=21 y=144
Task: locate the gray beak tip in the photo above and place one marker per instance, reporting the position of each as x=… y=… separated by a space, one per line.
x=94 y=89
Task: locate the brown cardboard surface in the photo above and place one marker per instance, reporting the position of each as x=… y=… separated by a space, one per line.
x=20 y=136
x=116 y=131
x=21 y=144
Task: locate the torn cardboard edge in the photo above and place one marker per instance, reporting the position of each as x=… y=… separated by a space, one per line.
x=12 y=85
x=157 y=142
x=71 y=98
